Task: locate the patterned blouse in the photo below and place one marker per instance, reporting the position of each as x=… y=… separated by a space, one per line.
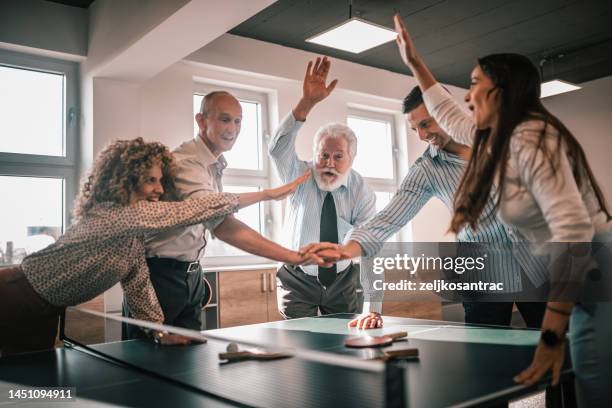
x=107 y=246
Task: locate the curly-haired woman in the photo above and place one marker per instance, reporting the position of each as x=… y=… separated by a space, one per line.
x=128 y=193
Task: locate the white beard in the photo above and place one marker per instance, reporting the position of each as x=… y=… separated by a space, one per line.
x=326 y=186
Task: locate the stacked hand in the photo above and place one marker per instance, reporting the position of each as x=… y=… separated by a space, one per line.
x=322 y=254
x=325 y=254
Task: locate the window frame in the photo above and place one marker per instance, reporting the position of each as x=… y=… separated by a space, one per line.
x=41 y=166
x=382 y=185
x=377 y=183
x=70 y=71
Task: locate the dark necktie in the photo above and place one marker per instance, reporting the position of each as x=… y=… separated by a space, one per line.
x=328 y=233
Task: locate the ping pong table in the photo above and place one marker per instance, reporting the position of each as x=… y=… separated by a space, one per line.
x=459 y=365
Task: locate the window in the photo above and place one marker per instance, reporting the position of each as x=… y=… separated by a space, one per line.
x=44 y=135
x=252 y=215
x=248 y=170
x=376 y=157
x=375 y=140
x=28 y=226
x=38 y=130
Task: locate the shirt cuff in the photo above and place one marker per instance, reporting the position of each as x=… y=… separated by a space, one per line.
x=434 y=96
x=370 y=245
x=369 y=307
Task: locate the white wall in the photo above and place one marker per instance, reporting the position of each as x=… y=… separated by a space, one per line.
x=136 y=40
x=115 y=25
x=43 y=25
x=588 y=115
x=165 y=102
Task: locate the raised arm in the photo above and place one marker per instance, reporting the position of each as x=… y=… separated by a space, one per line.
x=282 y=147
x=314 y=89
x=440 y=104
x=411 y=57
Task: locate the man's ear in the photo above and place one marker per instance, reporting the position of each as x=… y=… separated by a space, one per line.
x=201 y=121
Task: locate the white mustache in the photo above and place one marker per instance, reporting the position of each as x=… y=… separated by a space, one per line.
x=329 y=170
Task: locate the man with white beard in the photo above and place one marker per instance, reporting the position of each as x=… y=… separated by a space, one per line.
x=323 y=209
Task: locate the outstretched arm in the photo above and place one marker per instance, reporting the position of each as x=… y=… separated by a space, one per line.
x=240 y=235
x=278 y=193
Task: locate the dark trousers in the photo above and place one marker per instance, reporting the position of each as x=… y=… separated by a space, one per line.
x=27 y=321
x=484 y=311
x=302 y=295
x=500 y=313
x=180 y=294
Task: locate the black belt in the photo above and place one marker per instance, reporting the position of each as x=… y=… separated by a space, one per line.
x=299 y=268
x=187 y=267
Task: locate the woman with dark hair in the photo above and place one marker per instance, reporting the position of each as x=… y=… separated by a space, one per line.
x=545 y=191
x=123 y=198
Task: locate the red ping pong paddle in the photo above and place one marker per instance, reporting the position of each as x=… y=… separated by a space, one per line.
x=374 y=341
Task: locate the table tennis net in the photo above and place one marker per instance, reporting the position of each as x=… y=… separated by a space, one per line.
x=316 y=369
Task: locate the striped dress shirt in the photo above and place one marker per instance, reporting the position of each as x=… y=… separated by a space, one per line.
x=437 y=174
x=355 y=200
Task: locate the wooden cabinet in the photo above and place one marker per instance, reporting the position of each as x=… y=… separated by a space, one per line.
x=247 y=297
x=273 y=314
x=84 y=327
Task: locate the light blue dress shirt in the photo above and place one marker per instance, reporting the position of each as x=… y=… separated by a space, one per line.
x=355 y=200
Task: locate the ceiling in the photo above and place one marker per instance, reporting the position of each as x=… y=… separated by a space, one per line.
x=74 y=3
x=451 y=34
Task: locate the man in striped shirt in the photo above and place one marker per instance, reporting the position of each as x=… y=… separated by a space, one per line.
x=325 y=208
x=437 y=173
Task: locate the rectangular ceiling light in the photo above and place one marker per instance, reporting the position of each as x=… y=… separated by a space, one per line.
x=354 y=35
x=555 y=87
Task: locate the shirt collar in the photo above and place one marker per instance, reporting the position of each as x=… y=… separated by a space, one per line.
x=444 y=155
x=206 y=156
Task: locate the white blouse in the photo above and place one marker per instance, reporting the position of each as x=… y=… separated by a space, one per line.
x=541 y=201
